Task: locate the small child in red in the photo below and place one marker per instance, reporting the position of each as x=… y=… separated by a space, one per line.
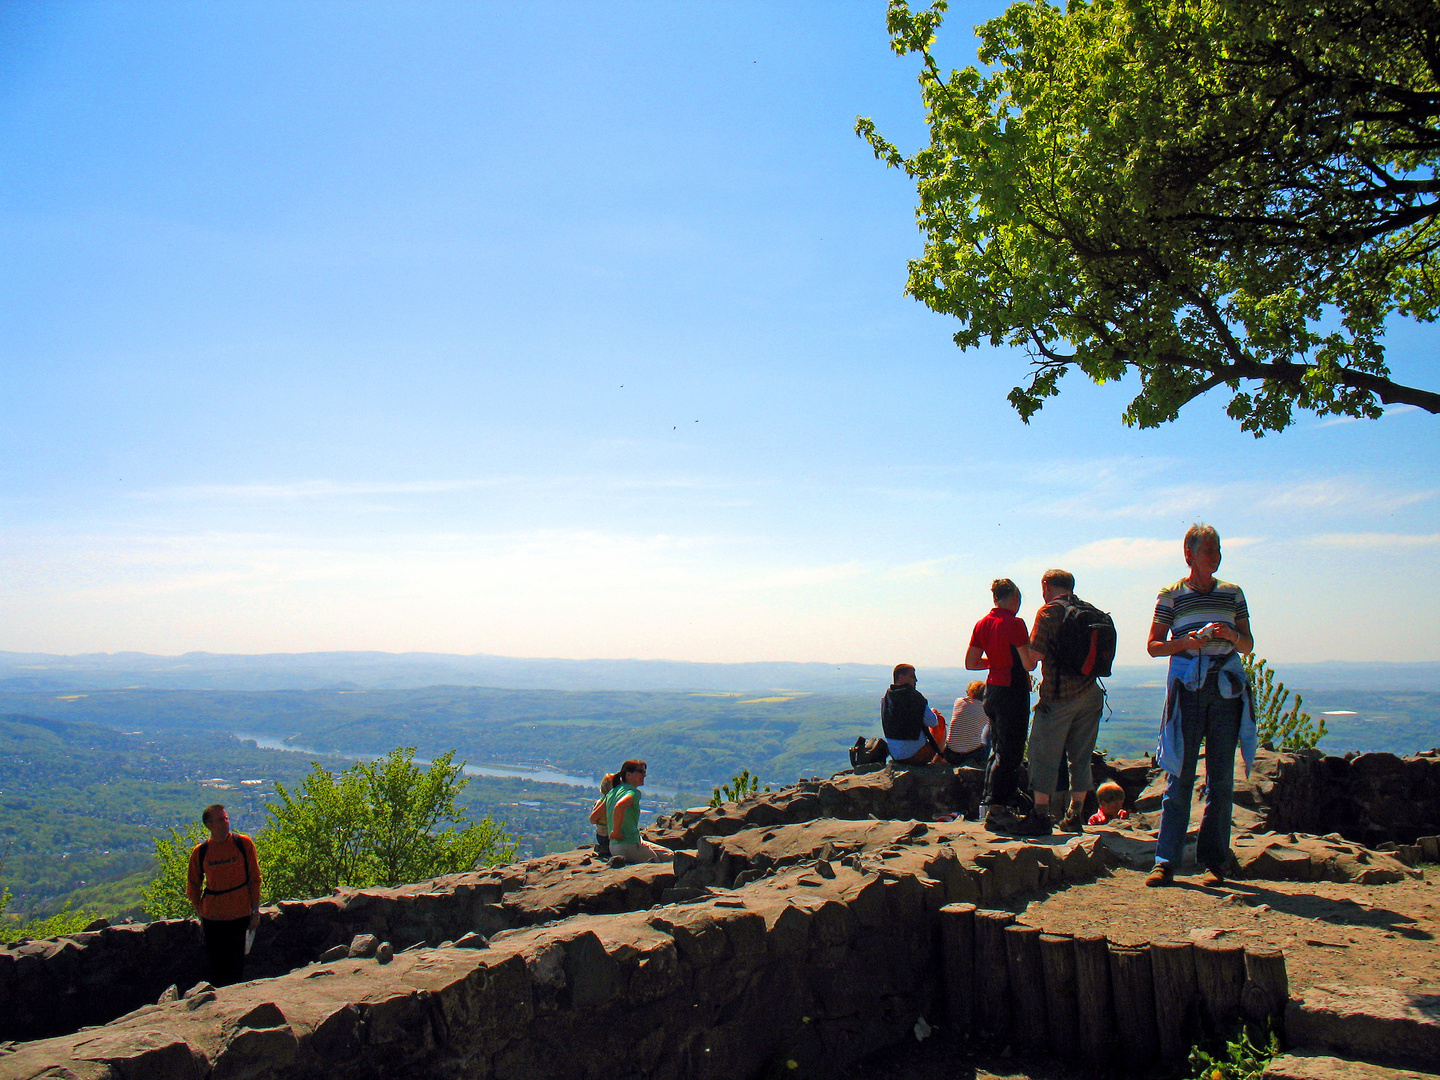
x=1111 y=797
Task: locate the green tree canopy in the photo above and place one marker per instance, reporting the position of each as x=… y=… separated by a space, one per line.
x=164 y=897
x=382 y=822
x=1201 y=192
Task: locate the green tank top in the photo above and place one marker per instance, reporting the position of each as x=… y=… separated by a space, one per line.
x=630 y=825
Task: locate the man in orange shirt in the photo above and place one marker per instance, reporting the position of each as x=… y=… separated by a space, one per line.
x=223 y=886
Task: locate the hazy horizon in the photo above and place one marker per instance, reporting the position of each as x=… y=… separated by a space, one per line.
x=371 y=669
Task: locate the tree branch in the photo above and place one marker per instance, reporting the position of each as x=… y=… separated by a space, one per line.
x=1387 y=390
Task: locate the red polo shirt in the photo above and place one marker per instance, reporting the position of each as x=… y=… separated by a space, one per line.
x=995 y=633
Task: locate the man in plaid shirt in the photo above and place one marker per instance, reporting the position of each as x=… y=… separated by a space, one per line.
x=1067 y=714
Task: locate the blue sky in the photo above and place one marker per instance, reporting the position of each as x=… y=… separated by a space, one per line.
x=576 y=331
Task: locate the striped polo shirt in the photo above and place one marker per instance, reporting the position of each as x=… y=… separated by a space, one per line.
x=1184 y=610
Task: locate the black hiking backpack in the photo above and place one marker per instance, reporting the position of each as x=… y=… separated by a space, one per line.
x=868 y=752
x=1085 y=640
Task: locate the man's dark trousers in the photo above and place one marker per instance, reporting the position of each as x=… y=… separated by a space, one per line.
x=225 y=945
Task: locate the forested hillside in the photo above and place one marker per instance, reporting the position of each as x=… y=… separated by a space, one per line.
x=87 y=779
x=694 y=739
x=81 y=803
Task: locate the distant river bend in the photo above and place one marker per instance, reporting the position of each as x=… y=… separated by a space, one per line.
x=545 y=776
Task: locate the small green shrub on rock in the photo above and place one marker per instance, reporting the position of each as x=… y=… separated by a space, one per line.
x=164 y=897
x=740 y=787
x=1293 y=730
x=1242 y=1059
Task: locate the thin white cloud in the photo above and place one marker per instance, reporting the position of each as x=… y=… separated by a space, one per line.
x=1348 y=494
x=1137 y=551
x=340 y=489
x=1397 y=542
x=1090 y=474
x=797 y=577
x=1390 y=410
x=1121 y=551
x=925 y=568
x=321 y=489
x=1352 y=494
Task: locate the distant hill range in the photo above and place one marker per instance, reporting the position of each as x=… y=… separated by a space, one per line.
x=44 y=672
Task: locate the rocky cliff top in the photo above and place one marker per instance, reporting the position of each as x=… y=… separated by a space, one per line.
x=802 y=923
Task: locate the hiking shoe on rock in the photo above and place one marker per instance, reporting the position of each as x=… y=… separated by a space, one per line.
x=1214 y=875
x=1162 y=875
x=1072 y=822
x=1001 y=819
x=1032 y=824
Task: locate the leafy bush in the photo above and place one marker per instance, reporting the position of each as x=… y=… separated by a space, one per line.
x=1242 y=1059
x=61 y=923
x=164 y=897
x=741 y=786
x=1293 y=730
x=377 y=823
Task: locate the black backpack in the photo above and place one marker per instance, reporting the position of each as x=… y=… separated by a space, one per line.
x=1085 y=640
x=868 y=752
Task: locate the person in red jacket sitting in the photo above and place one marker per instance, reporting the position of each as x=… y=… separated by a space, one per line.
x=1111 y=797
x=223 y=886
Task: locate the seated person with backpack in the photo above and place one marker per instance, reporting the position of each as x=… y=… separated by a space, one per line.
x=597 y=817
x=906 y=718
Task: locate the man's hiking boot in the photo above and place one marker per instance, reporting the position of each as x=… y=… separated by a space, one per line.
x=1001 y=819
x=1072 y=822
x=1161 y=876
x=1214 y=875
x=1035 y=823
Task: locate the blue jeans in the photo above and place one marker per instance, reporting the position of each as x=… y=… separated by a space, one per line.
x=1204 y=715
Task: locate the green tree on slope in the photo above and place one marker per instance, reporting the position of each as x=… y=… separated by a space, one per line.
x=164 y=897
x=383 y=822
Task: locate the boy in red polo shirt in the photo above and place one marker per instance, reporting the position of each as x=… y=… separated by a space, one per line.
x=1001 y=643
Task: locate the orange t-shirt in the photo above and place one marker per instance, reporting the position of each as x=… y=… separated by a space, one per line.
x=230 y=876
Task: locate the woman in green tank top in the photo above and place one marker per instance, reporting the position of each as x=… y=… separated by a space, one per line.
x=622 y=817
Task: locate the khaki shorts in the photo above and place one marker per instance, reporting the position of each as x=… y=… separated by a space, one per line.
x=644 y=851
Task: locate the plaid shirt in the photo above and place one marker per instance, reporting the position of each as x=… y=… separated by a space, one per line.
x=1055 y=685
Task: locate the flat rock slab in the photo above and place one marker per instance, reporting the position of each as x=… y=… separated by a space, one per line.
x=1372 y=1022
x=561 y=886
x=1321 y=1067
x=887 y=792
x=1272 y=856
x=1297 y=857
